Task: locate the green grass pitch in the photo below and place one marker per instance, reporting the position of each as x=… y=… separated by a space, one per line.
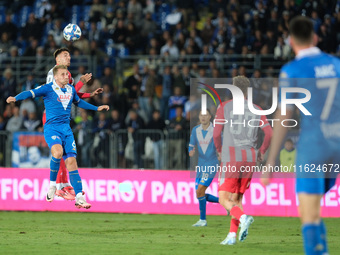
x=99 y=233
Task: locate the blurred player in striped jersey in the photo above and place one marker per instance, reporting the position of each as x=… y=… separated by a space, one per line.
x=319 y=142
x=63 y=57
x=202 y=138
x=238 y=150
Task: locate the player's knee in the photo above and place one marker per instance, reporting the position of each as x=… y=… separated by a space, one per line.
x=222 y=200
x=200 y=192
x=58 y=153
x=310 y=217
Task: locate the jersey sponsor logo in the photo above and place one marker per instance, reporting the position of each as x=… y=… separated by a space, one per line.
x=204 y=142
x=324 y=71
x=65 y=97
x=55 y=137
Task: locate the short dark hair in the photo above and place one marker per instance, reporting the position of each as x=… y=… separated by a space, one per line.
x=301 y=29
x=60 y=50
x=289 y=141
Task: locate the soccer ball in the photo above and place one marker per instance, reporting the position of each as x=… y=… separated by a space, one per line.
x=72 y=32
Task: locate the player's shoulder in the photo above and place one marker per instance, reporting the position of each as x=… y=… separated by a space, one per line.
x=195 y=127
x=221 y=106
x=287 y=70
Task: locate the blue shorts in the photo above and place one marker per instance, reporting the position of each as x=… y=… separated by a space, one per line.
x=317 y=186
x=60 y=134
x=204 y=179
x=313 y=172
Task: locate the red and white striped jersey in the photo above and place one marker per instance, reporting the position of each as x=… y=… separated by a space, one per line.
x=240 y=133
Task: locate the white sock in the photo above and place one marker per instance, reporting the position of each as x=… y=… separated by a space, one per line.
x=59 y=186
x=243 y=218
x=232 y=234
x=53 y=183
x=80 y=194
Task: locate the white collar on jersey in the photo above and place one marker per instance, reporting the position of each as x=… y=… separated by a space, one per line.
x=308 y=52
x=63 y=97
x=206 y=140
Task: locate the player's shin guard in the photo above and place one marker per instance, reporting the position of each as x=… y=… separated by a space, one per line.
x=234 y=225
x=236 y=212
x=54 y=168
x=323 y=237
x=203 y=204
x=311 y=239
x=211 y=198
x=76 y=181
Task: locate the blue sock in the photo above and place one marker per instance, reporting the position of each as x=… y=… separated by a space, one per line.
x=54 y=168
x=203 y=204
x=311 y=239
x=323 y=236
x=211 y=198
x=76 y=181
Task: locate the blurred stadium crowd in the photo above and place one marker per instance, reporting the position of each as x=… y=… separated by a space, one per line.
x=162 y=44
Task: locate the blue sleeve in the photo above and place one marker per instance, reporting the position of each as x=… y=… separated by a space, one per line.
x=37 y=92
x=192 y=142
x=83 y=104
x=23 y=95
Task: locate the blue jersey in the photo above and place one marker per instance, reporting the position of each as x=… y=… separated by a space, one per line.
x=319 y=73
x=58 y=101
x=207 y=155
x=319 y=142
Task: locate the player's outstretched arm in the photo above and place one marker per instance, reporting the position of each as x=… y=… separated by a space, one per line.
x=86 y=77
x=37 y=92
x=97 y=92
x=10 y=100
x=103 y=108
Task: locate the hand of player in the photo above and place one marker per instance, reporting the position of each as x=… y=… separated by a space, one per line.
x=97 y=92
x=10 y=100
x=192 y=152
x=86 y=77
x=103 y=107
x=260 y=157
x=219 y=156
x=265 y=179
x=265 y=176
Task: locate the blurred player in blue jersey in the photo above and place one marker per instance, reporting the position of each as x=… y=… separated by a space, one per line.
x=58 y=97
x=202 y=137
x=319 y=142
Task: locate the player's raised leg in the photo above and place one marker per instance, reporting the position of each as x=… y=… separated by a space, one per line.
x=72 y=166
x=235 y=210
x=57 y=153
x=234 y=222
x=64 y=189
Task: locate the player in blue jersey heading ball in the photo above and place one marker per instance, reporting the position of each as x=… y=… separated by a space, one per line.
x=58 y=97
x=319 y=142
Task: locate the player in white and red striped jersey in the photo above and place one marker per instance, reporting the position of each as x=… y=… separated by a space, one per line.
x=63 y=57
x=239 y=150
